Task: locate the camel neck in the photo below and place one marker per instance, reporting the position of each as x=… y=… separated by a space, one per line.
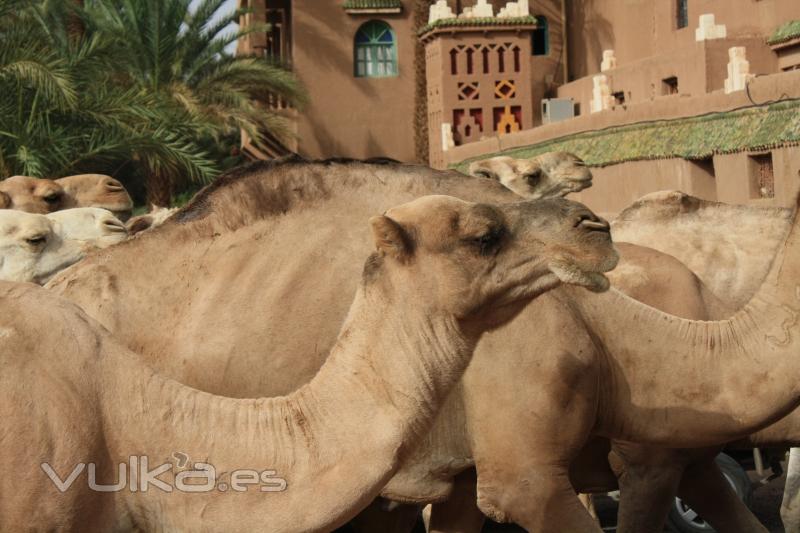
x=705 y=382
x=335 y=441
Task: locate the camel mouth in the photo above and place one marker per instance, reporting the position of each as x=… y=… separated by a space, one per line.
x=592 y=225
x=592 y=280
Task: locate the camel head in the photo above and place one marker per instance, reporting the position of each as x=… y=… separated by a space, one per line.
x=460 y=257
x=97 y=190
x=548 y=175
x=31 y=248
x=89 y=224
x=33 y=195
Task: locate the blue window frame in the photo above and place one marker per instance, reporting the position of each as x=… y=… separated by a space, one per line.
x=375 y=50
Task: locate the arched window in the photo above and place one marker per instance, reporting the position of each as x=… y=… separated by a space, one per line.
x=540 y=40
x=375 y=50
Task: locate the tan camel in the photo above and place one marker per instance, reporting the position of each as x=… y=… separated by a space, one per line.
x=97 y=190
x=96 y=226
x=445 y=272
x=33 y=195
x=34 y=247
x=209 y=242
x=36 y=195
x=151 y=220
x=545 y=176
x=732 y=264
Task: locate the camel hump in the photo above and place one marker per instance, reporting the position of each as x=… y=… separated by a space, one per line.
x=662 y=204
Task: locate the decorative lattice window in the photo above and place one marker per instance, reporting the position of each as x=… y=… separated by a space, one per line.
x=375 y=50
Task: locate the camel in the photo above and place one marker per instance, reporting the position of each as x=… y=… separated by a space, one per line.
x=89 y=224
x=731 y=265
x=36 y=195
x=33 y=195
x=151 y=220
x=445 y=272
x=545 y=176
x=207 y=242
x=34 y=247
x=97 y=190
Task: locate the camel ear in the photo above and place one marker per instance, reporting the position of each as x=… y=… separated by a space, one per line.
x=390 y=238
x=5 y=201
x=139 y=224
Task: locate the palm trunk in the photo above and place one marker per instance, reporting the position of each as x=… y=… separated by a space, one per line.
x=421 y=8
x=683 y=383
x=159 y=189
x=336 y=441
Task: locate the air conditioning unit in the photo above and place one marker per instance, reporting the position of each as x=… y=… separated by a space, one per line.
x=557 y=109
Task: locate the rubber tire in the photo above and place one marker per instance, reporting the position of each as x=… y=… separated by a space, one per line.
x=740 y=482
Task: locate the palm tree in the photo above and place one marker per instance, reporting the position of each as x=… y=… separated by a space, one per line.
x=179 y=58
x=62 y=110
x=79 y=97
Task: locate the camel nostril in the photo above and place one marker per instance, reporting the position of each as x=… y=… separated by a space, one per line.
x=114 y=226
x=114 y=186
x=590 y=221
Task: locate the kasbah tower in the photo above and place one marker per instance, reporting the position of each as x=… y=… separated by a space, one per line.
x=697 y=95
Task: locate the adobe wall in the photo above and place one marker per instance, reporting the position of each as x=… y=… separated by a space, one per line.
x=616 y=186
x=700 y=67
x=349 y=116
x=637 y=29
x=762 y=89
x=735 y=176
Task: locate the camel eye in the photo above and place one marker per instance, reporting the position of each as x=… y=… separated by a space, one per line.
x=36 y=240
x=533 y=177
x=485 y=174
x=487 y=242
x=52 y=197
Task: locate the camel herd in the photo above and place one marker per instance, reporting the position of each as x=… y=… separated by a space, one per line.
x=311 y=343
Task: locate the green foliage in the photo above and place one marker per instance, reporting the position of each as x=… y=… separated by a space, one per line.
x=752 y=128
x=141 y=89
x=478 y=21
x=786 y=32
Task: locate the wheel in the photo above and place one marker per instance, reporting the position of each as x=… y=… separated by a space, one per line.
x=683 y=519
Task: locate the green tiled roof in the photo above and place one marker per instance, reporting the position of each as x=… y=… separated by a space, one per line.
x=372 y=4
x=752 y=128
x=478 y=21
x=786 y=32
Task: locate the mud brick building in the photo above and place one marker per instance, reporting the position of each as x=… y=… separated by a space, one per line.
x=698 y=95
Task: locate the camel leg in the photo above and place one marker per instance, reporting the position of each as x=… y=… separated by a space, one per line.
x=790 y=506
x=460 y=513
x=375 y=517
x=539 y=498
x=588 y=503
x=647 y=487
x=648 y=481
x=705 y=489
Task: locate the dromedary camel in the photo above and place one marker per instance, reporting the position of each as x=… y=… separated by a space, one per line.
x=445 y=272
x=34 y=247
x=36 y=195
x=97 y=190
x=545 y=176
x=730 y=248
x=215 y=234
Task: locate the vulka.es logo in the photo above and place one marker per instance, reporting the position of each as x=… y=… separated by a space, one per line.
x=137 y=476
